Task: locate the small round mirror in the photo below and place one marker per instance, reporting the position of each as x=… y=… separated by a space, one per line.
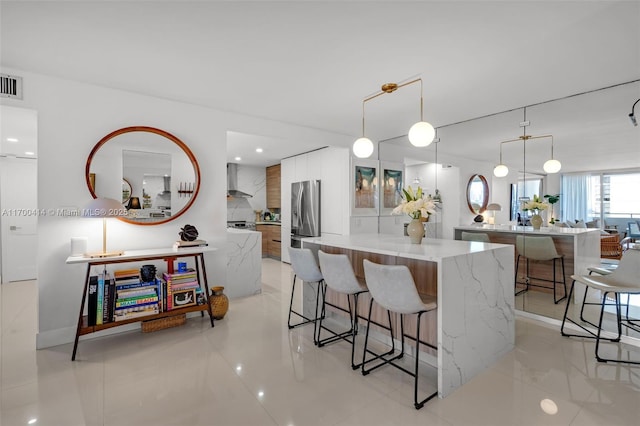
x=153 y=172
x=477 y=194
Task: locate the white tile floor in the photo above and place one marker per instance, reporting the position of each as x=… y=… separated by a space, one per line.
x=251 y=370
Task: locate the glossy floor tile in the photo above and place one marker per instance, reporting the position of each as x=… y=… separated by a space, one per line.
x=251 y=370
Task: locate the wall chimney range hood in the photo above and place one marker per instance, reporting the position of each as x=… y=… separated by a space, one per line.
x=232 y=182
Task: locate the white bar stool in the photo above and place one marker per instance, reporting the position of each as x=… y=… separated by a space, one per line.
x=392 y=287
x=304 y=267
x=625 y=279
x=539 y=249
x=339 y=277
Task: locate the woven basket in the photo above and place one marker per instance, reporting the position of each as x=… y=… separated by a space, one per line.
x=162 y=323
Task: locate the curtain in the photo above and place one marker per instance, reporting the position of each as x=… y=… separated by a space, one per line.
x=574 y=198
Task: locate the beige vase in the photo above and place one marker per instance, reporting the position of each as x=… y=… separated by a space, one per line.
x=415 y=230
x=536 y=221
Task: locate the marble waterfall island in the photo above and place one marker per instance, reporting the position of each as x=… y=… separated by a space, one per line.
x=474 y=325
x=244 y=263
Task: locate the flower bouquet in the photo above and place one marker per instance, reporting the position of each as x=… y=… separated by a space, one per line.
x=536 y=205
x=415 y=204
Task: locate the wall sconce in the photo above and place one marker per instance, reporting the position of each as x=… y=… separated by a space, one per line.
x=550 y=166
x=421 y=134
x=632 y=115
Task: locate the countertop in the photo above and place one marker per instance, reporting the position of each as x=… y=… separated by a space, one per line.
x=240 y=230
x=431 y=249
x=548 y=230
x=269 y=222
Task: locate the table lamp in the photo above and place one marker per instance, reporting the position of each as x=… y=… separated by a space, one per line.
x=493 y=207
x=104 y=208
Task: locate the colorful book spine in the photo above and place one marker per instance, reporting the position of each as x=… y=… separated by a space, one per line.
x=130 y=315
x=137 y=284
x=123 y=294
x=100 y=301
x=136 y=308
x=184 y=286
x=92 y=307
x=136 y=301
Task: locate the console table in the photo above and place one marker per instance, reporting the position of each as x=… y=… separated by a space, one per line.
x=169 y=255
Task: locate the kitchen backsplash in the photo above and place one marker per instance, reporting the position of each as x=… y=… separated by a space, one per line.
x=252 y=180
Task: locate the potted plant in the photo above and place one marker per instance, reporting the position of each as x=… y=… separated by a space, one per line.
x=552 y=199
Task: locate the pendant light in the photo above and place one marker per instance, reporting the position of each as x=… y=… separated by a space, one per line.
x=421 y=134
x=550 y=166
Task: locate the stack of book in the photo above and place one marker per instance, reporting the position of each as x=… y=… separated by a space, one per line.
x=186 y=244
x=133 y=297
x=180 y=289
x=101 y=299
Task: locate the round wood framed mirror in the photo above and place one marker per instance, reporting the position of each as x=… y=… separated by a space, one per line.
x=161 y=173
x=477 y=194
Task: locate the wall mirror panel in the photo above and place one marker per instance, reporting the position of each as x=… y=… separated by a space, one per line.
x=154 y=173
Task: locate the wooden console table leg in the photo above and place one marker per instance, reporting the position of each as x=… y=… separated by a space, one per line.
x=206 y=286
x=84 y=298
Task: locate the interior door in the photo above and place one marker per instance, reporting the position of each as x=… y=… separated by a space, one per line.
x=19 y=219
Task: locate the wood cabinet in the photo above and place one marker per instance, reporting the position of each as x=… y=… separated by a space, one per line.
x=273 y=187
x=271 y=244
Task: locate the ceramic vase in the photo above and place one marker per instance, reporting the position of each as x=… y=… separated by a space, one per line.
x=536 y=221
x=415 y=231
x=219 y=302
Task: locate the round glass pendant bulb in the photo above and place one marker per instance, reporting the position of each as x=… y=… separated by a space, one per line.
x=552 y=166
x=500 y=170
x=363 y=148
x=421 y=134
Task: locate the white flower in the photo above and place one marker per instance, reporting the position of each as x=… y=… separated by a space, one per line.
x=415 y=204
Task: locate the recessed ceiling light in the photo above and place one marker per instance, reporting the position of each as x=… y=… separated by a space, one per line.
x=258 y=149
x=12 y=140
x=32 y=421
x=29 y=153
x=238 y=158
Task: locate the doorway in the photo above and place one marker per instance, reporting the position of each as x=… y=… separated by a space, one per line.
x=18 y=194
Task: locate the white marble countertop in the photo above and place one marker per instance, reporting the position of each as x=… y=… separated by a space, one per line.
x=545 y=230
x=241 y=231
x=431 y=249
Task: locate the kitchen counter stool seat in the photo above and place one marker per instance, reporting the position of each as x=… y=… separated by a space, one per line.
x=393 y=288
x=339 y=277
x=306 y=268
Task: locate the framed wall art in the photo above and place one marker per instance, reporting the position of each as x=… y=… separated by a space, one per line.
x=365 y=178
x=392 y=182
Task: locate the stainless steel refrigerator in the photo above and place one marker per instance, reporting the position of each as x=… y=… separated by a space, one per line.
x=305 y=211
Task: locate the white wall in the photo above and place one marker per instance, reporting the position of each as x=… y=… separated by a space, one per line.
x=72 y=118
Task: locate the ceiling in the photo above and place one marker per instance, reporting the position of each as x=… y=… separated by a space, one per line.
x=312 y=64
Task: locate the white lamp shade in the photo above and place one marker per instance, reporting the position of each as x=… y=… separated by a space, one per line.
x=104 y=207
x=500 y=170
x=552 y=166
x=421 y=134
x=363 y=148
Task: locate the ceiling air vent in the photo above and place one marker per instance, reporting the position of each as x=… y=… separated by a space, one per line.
x=10 y=86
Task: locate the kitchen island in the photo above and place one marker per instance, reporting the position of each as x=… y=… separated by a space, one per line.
x=579 y=246
x=474 y=324
x=244 y=263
